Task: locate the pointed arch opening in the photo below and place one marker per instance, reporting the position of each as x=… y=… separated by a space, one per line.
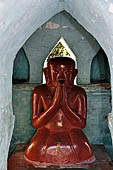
x=100 y=71
x=21 y=67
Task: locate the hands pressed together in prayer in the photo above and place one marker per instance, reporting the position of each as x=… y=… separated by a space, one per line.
x=60 y=96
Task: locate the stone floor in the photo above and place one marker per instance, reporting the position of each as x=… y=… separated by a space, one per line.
x=103 y=162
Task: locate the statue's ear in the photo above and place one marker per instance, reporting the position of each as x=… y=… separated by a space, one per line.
x=46 y=73
x=75 y=73
x=45 y=70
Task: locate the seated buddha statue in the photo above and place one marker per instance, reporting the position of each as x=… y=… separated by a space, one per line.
x=59 y=115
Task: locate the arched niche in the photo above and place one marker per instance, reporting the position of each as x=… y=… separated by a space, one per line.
x=78 y=42
x=37 y=48
x=100 y=71
x=21 y=67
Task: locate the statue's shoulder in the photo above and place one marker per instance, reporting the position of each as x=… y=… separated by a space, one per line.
x=41 y=89
x=79 y=90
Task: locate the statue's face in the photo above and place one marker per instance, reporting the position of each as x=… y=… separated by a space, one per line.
x=61 y=73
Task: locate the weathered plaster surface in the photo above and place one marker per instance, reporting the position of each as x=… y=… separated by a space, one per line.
x=39 y=45
x=98 y=21
x=6 y=116
x=19 y=19
x=52 y=26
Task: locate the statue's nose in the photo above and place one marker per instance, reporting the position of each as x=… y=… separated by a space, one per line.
x=61 y=77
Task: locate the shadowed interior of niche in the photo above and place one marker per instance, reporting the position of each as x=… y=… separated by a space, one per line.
x=21 y=67
x=100 y=71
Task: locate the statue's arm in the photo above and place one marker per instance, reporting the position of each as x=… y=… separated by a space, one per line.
x=39 y=116
x=77 y=115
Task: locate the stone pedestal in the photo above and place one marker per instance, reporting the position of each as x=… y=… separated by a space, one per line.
x=103 y=162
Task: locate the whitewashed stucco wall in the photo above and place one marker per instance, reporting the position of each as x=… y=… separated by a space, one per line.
x=19 y=19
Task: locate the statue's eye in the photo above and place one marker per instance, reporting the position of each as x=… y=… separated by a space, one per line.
x=68 y=72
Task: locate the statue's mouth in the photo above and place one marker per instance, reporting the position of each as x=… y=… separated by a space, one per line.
x=61 y=81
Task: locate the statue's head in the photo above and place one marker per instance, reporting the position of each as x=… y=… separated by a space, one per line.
x=60 y=70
